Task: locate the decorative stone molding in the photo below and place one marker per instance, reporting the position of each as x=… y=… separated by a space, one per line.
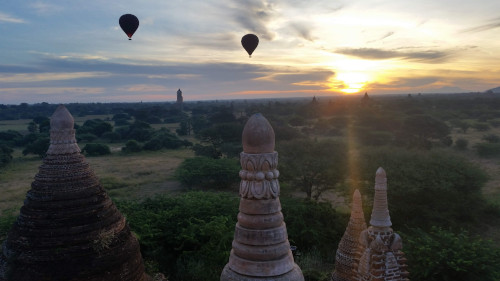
x=259 y=176
x=260 y=249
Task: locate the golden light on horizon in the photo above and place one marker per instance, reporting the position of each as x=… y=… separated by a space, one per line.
x=353 y=82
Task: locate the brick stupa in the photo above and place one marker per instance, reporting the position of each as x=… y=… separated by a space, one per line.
x=261 y=250
x=346 y=258
x=380 y=248
x=68 y=228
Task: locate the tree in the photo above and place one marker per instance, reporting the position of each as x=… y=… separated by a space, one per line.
x=421 y=130
x=95 y=126
x=208 y=172
x=5 y=155
x=39 y=146
x=313 y=166
x=426 y=188
x=32 y=127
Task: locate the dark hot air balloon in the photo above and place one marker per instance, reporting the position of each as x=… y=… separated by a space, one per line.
x=129 y=23
x=250 y=42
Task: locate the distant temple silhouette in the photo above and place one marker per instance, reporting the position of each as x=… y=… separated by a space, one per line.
x=180 y=99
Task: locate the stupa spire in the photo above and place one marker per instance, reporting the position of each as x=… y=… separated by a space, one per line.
x=346 y=258
x=62 y=132
x=380 y=249
x=380 y=213
x=68 y=227
x=261 y=250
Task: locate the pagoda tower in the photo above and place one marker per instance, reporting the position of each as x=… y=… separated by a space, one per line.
x=346 y=259
x=68 y=228
x=380 y=248
x=261 y=250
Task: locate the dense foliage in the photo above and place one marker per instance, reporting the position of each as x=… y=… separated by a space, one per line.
x=189 y=236
x=204 y=172
x=442 y=255
x=442 y=188
x=313 y=166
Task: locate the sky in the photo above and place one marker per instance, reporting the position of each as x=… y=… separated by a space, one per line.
x=61 y=51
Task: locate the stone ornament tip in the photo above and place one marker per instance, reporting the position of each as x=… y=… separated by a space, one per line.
x=258 y=135
x=357 y=207
x=61 y=119
x=62 y=134
x=380 y=212
x=380 y=177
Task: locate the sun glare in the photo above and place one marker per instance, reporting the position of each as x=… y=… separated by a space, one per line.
x=353 y=82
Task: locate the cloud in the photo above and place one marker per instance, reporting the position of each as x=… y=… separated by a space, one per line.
x=303 y=29
x=388 y=34
x=494 y=23
x=429 y=56
x=255 y=15
x=45 y=8
x=8 y=18
x=48 y=76
x=109 y=81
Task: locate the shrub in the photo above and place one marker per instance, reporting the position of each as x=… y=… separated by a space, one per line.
x=491 y=138
x=132 y=146
x=111 y=136
x=86 y=137
x=487 y=149
x=96 y=149
x=461 y=144
x=481 y=126
x=443 y=255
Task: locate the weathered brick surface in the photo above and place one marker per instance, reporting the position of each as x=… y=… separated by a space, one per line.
x=68 y=228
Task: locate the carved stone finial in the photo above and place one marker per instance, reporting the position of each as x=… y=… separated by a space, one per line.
x=260 y=249
x=62 y=134
x=61 y=119
x=258 y=135
x=357 y=206
x=380 y=213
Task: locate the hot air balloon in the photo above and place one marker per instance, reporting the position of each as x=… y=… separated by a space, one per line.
x=129 y=24
x=250 y=42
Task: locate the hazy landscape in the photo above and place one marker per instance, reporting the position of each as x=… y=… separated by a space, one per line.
x=348 y=87
x=174 y=174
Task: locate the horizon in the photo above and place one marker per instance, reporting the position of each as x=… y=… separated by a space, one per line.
x=58 y=52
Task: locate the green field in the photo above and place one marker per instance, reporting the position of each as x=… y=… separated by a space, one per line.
x=125 y=176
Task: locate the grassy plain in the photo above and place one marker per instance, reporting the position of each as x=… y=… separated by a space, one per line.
x=491 y=190
x=125 y=176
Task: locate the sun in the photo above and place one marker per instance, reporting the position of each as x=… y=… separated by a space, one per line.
x=353 y=82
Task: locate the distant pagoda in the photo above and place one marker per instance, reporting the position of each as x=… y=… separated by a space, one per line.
x=180 y=99
x=380 y=248
x=261 y=250
x=346 y=259
x=68 y=228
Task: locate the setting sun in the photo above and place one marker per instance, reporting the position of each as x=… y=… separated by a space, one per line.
x=353 y=82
